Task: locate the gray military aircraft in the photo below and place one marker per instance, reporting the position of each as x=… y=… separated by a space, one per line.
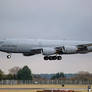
x=51 y=49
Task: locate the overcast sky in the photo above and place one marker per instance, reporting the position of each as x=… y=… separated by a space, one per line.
x=47 y=19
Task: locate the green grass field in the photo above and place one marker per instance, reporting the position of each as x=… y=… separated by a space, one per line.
x=39 y=86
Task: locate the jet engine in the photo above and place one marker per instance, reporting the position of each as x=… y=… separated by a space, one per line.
x=69 y=49
x=48 y=51
x=89 y=48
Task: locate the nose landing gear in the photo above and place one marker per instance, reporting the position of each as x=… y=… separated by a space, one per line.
x=8 y=56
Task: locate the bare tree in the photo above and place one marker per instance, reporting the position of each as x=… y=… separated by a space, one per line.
x=84 y=75
x=14 y=70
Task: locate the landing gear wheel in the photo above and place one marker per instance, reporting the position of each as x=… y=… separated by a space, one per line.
x=59 y=58
x=54 y=57
x=46 y=58
x=8 y=56
x=50 y=58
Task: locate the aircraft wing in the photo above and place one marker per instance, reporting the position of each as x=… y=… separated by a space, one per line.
x=84 y=48
x=80 y=45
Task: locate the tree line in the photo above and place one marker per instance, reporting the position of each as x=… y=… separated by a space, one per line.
x=22 y=74
x=25 y=73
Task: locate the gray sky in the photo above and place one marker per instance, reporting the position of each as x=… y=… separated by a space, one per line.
x=47 y=19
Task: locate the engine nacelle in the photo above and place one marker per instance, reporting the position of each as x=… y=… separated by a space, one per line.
x=69 y=50
x=89 y=48
x=48 y=51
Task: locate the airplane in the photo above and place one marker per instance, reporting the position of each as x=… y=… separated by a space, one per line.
x=51 y=49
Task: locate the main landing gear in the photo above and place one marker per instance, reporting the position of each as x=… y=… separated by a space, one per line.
x=52 y=58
